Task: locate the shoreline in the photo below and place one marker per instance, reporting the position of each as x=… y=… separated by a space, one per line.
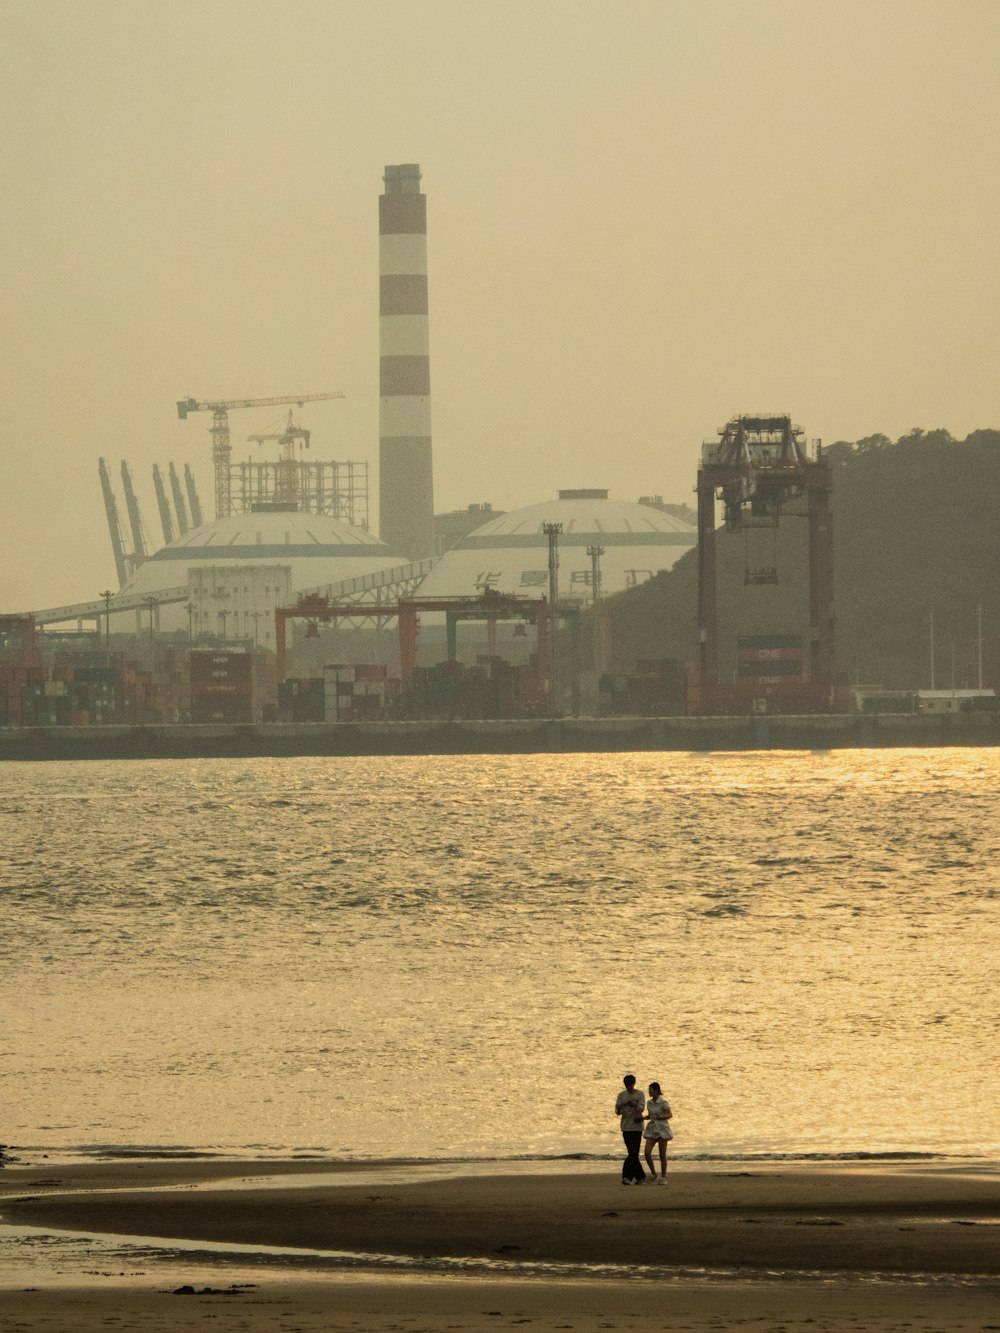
x=906 y=1216
x=805 y=1245
x=581 y=735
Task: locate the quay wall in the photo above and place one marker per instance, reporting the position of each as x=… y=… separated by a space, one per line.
x=508 y=736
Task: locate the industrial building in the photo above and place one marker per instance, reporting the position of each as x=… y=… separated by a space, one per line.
x=291 y=531
x=510 y=552
x=259 y=560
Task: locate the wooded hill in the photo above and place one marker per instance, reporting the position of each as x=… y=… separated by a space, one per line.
x=916 y=527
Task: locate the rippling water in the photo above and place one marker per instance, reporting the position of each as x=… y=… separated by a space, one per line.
x=459 y=956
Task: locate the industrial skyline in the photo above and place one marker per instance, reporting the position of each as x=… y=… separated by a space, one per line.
x=633 y=237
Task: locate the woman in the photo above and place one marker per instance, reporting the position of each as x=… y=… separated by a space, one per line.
x=658 y=1113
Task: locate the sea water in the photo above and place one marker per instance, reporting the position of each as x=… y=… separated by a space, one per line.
x=447 y=957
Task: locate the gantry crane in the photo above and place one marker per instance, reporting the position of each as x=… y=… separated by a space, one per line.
x=758 y=464
x=220 y=409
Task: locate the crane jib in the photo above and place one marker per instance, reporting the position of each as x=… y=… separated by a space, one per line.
x=186 y=405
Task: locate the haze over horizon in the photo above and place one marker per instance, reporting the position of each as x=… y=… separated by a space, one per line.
x=642 y=219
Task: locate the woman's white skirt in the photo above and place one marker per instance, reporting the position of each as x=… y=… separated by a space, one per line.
x=658 y=1129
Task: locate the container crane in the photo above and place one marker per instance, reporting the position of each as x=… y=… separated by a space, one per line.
x=166 y=519
x=114 y=524
x=220 y=409
x=758 y=464
x=179 y=505
x=139 y=538
x=192 y=493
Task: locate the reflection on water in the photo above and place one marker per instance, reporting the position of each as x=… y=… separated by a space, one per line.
x=460 y=955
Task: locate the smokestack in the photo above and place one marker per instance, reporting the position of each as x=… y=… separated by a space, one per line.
x=406 y=487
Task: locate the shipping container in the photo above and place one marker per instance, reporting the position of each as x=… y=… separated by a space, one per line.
x=750 y=641
x=205 y=666
x=230 y=709
x=770 y=671
x=664 y=668
x=889 y=701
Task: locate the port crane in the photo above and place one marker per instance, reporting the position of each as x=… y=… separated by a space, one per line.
x=759 y=464
x=220 y=409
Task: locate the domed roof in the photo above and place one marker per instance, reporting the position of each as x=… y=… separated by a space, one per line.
x=510 y=553
x=319 y=549
x=587 y=516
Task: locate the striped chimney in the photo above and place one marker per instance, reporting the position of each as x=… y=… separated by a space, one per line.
x=406 y=489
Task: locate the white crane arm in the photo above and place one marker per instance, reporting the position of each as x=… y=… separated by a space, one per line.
x=186 y=405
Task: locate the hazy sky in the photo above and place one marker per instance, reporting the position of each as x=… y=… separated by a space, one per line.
x=643 y=217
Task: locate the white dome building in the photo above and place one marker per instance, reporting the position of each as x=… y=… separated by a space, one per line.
x=510 y=553
x=239 y=568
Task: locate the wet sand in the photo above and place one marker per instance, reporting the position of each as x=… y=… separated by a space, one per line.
x=408 y=1307
x=788 y=1246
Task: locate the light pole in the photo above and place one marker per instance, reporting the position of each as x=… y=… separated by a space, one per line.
x=552 y=531
x=256 y=629
x=932 y=651
x=595 y=553
x=189 y=608
x=106 y=596
x=224 y=616
x=979 y=647
x=151 y=604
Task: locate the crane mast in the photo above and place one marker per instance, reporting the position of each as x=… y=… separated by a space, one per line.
x=166 y=521
x=193 y=501
x=221 y=448
x=134 y=518
x=179 y=505
x=114 y=524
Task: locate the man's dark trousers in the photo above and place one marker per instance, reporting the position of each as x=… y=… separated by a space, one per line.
x=632 y=1167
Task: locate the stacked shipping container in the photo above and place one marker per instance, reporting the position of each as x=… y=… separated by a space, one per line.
x=300 y=700
x=357 y=693
x=222 y=687
x=657 y=688
x=492 y=688
x=769 y=659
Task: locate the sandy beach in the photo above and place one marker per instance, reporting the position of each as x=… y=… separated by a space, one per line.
x=781 y=1246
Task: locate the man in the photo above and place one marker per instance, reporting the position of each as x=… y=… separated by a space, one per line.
x=629 y=1105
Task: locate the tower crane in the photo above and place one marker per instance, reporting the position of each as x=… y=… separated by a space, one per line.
x=288 y=473
x=220 y=409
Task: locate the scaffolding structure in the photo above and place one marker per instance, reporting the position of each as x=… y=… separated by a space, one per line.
x=336 y=488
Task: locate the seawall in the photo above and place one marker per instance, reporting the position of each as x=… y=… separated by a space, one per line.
x=511 y=736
